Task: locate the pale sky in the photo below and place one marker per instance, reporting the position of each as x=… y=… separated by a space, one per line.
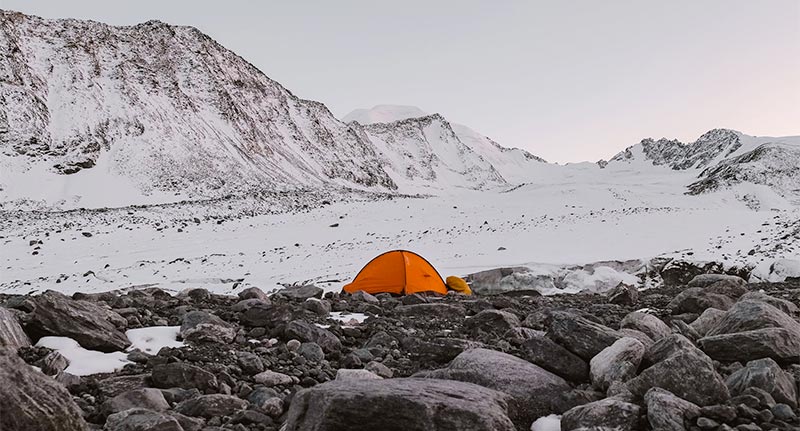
x=566 y=80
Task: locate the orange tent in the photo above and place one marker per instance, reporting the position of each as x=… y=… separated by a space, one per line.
x=399 y=272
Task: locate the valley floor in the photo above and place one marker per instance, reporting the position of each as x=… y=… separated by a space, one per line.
x=544 y=226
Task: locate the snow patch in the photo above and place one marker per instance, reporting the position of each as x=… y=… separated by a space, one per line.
x=150 y=340
x=547 y=423
x=349 y=319
x=84 y=362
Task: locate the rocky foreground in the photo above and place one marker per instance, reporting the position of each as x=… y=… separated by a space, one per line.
x=714 y=354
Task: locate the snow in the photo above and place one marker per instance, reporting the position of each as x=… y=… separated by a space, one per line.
x=349 y=319
x=151 y=339
x=547 y=423
x=384 y=114
x=83 y=362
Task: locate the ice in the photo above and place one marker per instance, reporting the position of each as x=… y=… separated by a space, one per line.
x=84 y=362
x=151 y=339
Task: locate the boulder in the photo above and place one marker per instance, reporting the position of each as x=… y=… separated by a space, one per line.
x=707 y=320
x=667 y=412
x=246 y=304
x=623 y=294
x=531 y=387
x=208 y=406
x=433 y=309
x=266 y=315
x=492 y=321
x=271 y=378
x=705 y=280
x=787 y=307
x=606 y=414
x=11 y=334
x=639 y=335
x=580 y=335
x=143 y=398
x=199 y=326
x=249 y=362
x=689 y=374
x=650 y=325
x=747 y=315
x=545 y=353
x=438 y=350
x=398 y=405
x=363 y=296
x=85 y=322
x=53 y=364
x=142 y=420
x=183 y=375
x=357 y=374
x=765 y=374
x=776 y=343
x=301 y=293
x=616 y=363
x=666 y=347
x=697 y=300
x=253 y=293
x=310 y=333
x=679 y=272
x=320 y=307
x=32 y=401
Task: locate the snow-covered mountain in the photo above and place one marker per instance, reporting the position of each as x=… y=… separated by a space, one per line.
x=725 y=158
x=514 y=165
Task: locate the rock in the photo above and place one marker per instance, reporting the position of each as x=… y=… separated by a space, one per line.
x=32 y=401
x=776 y=343
x=199 y=326
x=439 y=350
x=307 y=332
x=142 y=420
x=783 y=412
x=705 y=280
x=707 y=320
x=144 y=398
x=666 y=347
x=246 y=304
x=781 y=304
x=301 y=293
x=311 y=351
x=492 y=321
x=113 y=386
x=616 y=363
x=604 y=414
x=638 y=335
x=320 y=307
x=362 y=296
x=11 y=334
x=707 y=424
x=85 y=322
x=358 y=374
x=531 y=387
x=574 y=398
x=697 y=300
x=680 y=272
x=253 y=293
x=623 y=294
x=435 y=309
x=183 y=375
x=412 y=299
x=379 y=369
x=765 y=374
x=545 y=353
x=266 y=315
x=271 y=378
x=580 y=335
x=747 y=315
x=208 y=406
x=250 y=363
x=427 y=404
x=666 y=412
x=688 y=374
x=53 y=363
x=503 y=280
x=721 y=413
x=650 y=325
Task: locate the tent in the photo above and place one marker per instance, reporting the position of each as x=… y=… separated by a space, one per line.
x=400 y=272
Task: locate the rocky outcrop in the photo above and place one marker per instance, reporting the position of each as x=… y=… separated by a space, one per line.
x=11 y=334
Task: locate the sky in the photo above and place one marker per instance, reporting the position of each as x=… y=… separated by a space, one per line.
x=568 y=80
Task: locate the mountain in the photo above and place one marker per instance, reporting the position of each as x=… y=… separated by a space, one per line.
x=724 y=159
x=514 y=165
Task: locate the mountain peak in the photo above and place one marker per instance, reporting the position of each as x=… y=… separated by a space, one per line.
x=384 y=114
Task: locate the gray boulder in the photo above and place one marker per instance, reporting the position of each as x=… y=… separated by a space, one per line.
x=623 y=294
x=433 y=309
x=32 y=401
x=545 y=353
x=271 y=378
x=310 y=333
x=765 y=374
x=253 y=293
x=301 y=293
x=531 y=387
x=666 y=347
x=11 y=334
x=706 y=321
x=142 y=420
x=616 y=363
x=266 y=315
x=53 y=363
x=144 y=398
x=492 y=321
x=580 y=335
x=747 y=315
x=183 y=375
x=787 y=307
x=208 y=406
x=398 y=405
x=776 y=343
x=606 y=414
x=199 y=326
x=666 y=412
x=705 y=280
x=689 y=374
x=697 y=300
x=650 y=325
x=86 y=322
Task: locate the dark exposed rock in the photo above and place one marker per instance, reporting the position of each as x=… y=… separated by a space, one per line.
x=200 y=326
x=253 y=293
x=53 y=363
x=434 y=309
x=705 y=280
x=545 y=353
x=623 y=294
x=767 y=375
x=208 y=406
x=697 y=300
x=667 y=412
x=301 y=293
x=11 y=334
x=706 y=321
x=650 y=325
x=137 y=419
x=787 y=307
x=581 y=336
x=492 y=321
x=32 y=401
x=616 y=363
x=183 y=375
x=776 y=343
x=307 y=332
x=608 y=413
x=144 y=398
x=688 y=374
x=266 y=315
x=427 y=404
x=85 y=322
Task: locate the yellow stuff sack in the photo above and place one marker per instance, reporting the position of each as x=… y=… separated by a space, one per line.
x=458 y=284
